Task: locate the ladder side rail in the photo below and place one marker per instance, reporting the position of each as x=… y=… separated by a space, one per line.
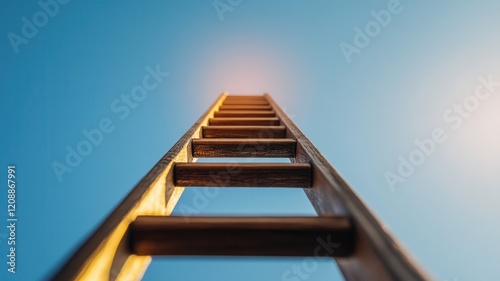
x=378 y=256
x=103 y=255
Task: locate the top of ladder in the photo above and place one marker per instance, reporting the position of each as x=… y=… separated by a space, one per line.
x=241 y=126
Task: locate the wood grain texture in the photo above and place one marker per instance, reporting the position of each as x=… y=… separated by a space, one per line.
x=241 y=236
x=245 y=107
x=284 y=148
x=378 y=256
x=244 y=113
x=256 y=132
x=243 y=174
x=272 y=121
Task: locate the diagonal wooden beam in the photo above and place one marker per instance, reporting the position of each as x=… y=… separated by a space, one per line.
x=378 y=255
x=105 y=255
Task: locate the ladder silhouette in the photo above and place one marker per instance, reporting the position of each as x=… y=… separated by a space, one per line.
x=241 y=126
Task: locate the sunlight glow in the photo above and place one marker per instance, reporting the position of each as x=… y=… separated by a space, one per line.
x=249 y=67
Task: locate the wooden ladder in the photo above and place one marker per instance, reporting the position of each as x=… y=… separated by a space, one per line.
x=241 y=126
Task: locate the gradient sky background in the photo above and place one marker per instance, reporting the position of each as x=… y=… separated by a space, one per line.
x=362 y=115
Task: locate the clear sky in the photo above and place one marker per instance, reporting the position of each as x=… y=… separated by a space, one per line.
x=362 y=79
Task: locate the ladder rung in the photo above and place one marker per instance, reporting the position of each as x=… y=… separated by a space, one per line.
x=245 y=107
x=273 y=121
x=256 y=132
x=243 y=174
x=244 y=113
x=241 y=236
x=245 y=98
x=245 y=102
x=244 y=148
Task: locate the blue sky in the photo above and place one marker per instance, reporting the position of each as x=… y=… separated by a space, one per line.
x=363 y=111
